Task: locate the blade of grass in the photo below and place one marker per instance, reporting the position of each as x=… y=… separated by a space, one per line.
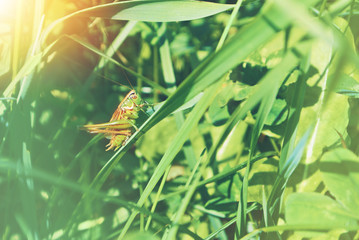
x=290 y=136
x=296 y=106
x=265 y=107
x=156 y=11
x=228 y=224
x=27 y=190
x=219 y=230
x=35 y=46
x=229 y=24
x=145 y=10
x=157 y=197
x=26 y=70
x=184 y=203
x=34 y=49
x=289 y=62
x=279 y=185
x=170 y=80
x=116 y=43
x=167 y=68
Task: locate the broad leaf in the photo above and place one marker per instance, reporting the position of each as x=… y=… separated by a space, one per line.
x=340 y=170
x=317 y=211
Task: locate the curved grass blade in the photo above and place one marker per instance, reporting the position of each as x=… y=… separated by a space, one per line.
x=284 y=173
x=265 y=107
x=157 y=11
x=26 y=70
x=148 y=10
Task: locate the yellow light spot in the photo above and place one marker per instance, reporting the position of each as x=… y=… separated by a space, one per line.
x=7 y=9
x=90 y=223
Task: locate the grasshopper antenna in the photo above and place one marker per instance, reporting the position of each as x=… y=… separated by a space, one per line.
x=111 y=80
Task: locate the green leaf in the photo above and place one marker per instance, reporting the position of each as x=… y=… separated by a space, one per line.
x=278 y=113
x=223 y=207
x=218 y=111
x=148 y=10
x=157 y=140
x=328 y=114
x=316 y=210
x=156 y=11
x=340 y=170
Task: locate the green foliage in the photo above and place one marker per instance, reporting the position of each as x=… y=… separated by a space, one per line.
x=315 y=211
x=251 y=129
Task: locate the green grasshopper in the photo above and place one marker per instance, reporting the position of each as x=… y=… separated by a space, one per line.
x=121 y=125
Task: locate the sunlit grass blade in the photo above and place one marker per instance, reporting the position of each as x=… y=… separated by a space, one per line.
x=169 y=78
x=284 y=174
x=28 y=68
x=157 y=11
x=115 y=44
x=153 y=11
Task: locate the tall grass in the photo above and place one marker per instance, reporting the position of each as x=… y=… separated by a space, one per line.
x=250 y=133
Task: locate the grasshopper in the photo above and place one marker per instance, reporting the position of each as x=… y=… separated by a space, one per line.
x=123 y=120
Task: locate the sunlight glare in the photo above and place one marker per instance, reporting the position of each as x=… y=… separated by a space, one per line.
x=7 y=8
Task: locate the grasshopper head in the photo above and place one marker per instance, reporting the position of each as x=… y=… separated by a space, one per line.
x=136 y=99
